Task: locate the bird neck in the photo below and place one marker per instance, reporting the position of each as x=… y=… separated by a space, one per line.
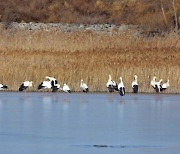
x=110 y=78
x=135 y=79
x=120 y=79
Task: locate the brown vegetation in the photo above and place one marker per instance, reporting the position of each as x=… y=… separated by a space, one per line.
x=70 y=57
x=152 y=14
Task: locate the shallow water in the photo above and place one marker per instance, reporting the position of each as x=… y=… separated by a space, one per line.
x=43 y=123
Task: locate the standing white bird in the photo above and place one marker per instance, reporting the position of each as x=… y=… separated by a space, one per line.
x=66 y=88
x=2 y=86
x=111 y=85
x=153 y=81
x=158 y=86
x=121 y=87
x=165 y=85
x=84 y=87
x=25 y=85
x=135 y=84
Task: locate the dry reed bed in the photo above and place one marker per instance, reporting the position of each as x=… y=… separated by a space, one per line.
x=32 y=55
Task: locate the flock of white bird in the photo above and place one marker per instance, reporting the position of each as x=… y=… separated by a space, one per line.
x=112 y=86
x=49 y=83
x=158 y=85
x=52 y=83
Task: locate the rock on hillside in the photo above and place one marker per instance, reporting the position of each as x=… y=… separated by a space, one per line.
x=67 y=27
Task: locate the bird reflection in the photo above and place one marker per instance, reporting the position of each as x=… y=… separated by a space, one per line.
x=1 y=104
x=110 y=97
x=66 y=98
x=47 y=99
x=65 y=106
x=83 y=98
x=158 y=99
x=121 y=101
x=135 y=98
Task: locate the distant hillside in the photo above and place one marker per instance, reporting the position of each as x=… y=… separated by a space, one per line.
x=152 y=14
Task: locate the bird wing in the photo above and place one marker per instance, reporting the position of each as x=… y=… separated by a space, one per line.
x=164 y=85
x=113 y=83
x=85 y=86
x=26 y=83
x=120 y=85
x=46 y=84
x=65 y=88
x=109 y=83
x=134 y=83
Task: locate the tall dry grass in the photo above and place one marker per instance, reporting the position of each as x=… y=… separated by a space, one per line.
x=91 y=56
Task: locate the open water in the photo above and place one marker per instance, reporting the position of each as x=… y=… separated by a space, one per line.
x=58 y=123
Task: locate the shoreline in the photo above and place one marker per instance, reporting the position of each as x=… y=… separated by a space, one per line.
x=90 y=92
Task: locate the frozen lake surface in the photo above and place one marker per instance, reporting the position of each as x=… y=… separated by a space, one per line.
x=56 y=123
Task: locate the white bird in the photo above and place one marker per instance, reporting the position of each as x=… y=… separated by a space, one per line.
x=158 y=86
x=121 y=87
x=111 y=85
x=54 y=83
x=2 y=86
x=84 y=87
x=153 y=81
x=165 y=85
x=135 y=84
x=45 y=85
x=66 y=88
x=25 y=85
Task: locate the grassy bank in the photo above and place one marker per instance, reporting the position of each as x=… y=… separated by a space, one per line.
x=91 y=56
